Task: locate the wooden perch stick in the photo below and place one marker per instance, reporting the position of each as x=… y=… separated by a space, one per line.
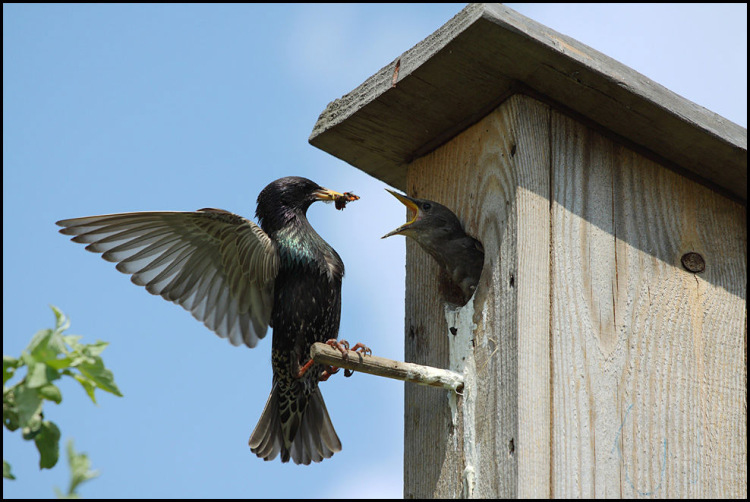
x=408 y=372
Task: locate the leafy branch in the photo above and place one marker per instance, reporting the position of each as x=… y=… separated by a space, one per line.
x=50 y=356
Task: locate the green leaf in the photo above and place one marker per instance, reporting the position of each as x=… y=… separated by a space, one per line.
x=88 y=386
x=61 y=322
x=79 y=352
x=40 y=375
x=32 y=428
x=10 y=416
x=59 y=363
x=95 y=349
x=101 y=376
x=72 y=340
x=10 y=364
x=46 y=345
x=38 y=345
x=28 y=404
x=6 y=471
x=10 y=409
x=80 y=468
x=48 y=444
x=50 y=392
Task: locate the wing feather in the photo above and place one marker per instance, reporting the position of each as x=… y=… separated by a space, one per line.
x=217 y=265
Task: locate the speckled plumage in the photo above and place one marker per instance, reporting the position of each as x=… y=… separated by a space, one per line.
x=238 y=278
x=307 y=309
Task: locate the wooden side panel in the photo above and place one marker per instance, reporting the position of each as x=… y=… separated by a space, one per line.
x=648 y=359
x=495 y=177
x=602 y=367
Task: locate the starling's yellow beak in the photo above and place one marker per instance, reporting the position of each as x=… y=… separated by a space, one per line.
x=327 y=195
x=411 y=205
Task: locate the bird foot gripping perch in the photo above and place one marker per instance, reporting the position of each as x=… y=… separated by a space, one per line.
x=326 y=354
x=343 y=347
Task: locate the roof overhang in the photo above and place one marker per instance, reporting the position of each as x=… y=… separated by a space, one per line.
x=488 y=52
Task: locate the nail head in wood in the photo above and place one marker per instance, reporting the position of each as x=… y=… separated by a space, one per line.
x=693 y=262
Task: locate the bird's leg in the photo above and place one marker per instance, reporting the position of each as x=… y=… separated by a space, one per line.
x=342 y=346
x=324 y=375
x=302 y=369
x=327 y=372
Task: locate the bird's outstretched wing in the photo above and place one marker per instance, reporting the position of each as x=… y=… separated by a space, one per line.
x=217 y=265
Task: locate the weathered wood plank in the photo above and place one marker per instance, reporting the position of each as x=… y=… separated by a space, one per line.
x=485 y=53
x=648 y=381
x=532 y=281
x=634 y=385
x=495 y=176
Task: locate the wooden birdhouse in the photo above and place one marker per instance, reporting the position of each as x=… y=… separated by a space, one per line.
x=604 y=351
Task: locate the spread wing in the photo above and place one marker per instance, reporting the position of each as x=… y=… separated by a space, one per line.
x=217 y=265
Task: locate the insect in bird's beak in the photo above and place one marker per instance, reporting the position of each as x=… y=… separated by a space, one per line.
x=340 y=199
x=413 y=209
x=344 y=199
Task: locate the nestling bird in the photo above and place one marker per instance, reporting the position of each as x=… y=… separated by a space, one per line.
x=439 y=232
x=238 y=278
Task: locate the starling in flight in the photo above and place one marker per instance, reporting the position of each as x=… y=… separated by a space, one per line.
x=238 y=278
x=439 y=232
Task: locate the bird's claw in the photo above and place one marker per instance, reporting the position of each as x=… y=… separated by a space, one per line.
x=343 y=347
x=359 y=348
x=362 y=349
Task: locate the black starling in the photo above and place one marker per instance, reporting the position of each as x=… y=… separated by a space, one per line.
x=238 y=278
x=439 y=232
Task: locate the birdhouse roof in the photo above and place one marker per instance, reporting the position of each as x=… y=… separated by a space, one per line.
x=489 y=52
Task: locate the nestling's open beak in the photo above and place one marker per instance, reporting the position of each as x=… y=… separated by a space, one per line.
x=411 y=205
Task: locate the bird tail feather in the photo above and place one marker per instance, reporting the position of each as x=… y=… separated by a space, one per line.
x=314 y=440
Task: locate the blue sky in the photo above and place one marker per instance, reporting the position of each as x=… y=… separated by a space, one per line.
x=115 y=108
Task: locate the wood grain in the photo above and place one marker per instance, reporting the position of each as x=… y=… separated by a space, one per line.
x=495 y=177
x=603 y=367
x=649 y=395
